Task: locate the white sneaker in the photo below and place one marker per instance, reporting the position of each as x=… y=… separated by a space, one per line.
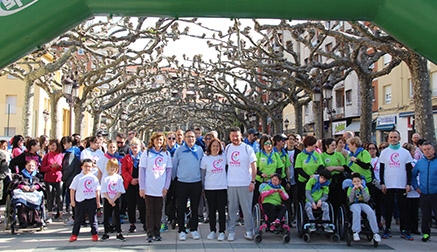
x=195 y=235
x=221 y=236
x=356 y=236
x=49 y=220
x=211 y=236
x=377 y=237
x=231 y=237
x=248 y=235
x=182 y=236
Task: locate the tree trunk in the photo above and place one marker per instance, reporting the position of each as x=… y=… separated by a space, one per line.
x=365 y=82
x=28 y=107
x=424 y=119
x=78 y=117
x=54 y=98
x=318 y=120
x=298 y=120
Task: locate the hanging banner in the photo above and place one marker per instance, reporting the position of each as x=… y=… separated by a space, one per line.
x=338 y=127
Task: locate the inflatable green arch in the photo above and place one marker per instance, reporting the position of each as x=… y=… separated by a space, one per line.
x=26 y=24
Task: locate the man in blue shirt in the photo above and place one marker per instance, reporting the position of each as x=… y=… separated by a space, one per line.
x=252 y=136
x=186 y=165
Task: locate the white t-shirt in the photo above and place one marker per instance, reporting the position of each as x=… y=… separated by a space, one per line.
x=374 y=162
x=94 y=156
x=395 y=174
x=152 y=173
x=112 y=185
x=85 y=186
x=239 y=159
x=215 y=172
x=101 y=165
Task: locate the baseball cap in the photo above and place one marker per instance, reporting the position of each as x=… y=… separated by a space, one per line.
x=252 y=131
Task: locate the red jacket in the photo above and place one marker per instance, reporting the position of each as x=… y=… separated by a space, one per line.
x=127 y=166
x=52 y=175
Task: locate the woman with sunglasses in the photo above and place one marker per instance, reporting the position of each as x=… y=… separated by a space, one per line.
x=268 y=163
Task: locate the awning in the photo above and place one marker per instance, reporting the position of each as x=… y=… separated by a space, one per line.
x=354 y=127
x=385 y=127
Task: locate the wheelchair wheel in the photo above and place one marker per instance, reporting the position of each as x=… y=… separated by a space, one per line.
x=256 y=215
x=300 y=220
x=335 y=238
x=340 y=223
x=258 y=238
x=286 y=238
x=8 y=213
x=332 y=215
x=307 y=237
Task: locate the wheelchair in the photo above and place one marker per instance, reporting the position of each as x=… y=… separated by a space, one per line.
x=303 y=227
x=260 y=225
x=33 y=203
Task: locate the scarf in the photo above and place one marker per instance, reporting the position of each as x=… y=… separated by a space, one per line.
x=269 y=156
x=395 y=147
x=192 y=150
x=28 y=175
x=282 y=153
x=310 y=154
x=274 y=186
x=115 y=155
x=319 y=185
x=351 y=154
x=136 y=160
x=172 y=150
x=155 y=153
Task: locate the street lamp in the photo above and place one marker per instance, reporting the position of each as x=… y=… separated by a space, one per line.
x=286 y=123
x=46 y=116
x=327 y=94
x=317 y=99
x=70 y=88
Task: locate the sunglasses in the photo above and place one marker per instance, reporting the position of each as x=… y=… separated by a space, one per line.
x=207 y=139
x=171 y=138
x=268 y=143
x=118 y=142
x=371 y=148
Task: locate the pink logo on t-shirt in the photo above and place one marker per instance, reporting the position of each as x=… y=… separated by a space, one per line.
x=394 y=158
x=217 y=165
x=158 y=161
x=235 y=160
x=112 y=188
x=87 y=184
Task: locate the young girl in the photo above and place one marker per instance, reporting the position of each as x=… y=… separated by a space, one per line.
x=110 y=153
x=85 y=197
x=154 y=179
x=215 y=186
x=112 y=188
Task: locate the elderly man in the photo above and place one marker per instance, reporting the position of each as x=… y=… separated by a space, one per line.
x=415 y=140
x=186 y=165
x=395 y=174
x=241 y=161
x=427 y=169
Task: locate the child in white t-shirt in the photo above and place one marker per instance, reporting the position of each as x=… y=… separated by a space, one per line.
x=85 y=197
x=112 y=188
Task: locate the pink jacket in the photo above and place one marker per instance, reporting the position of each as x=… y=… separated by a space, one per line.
x=52 y=175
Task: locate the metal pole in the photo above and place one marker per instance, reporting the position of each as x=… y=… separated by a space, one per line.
x=9 y=116
x=71 y=116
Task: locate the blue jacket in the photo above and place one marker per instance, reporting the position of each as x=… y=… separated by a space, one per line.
x=427 y=169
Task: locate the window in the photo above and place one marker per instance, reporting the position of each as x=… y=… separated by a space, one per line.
x=434 y=83
x=306 y=109
x=9 y=131
x=387 y=94
x=387 y=59
x=11 y=104
x=339 y=98
x=349 y=97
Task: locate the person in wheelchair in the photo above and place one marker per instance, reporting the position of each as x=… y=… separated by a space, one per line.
x=272 y=195
x=27 y=195
x=358 y=195
x=316 y=192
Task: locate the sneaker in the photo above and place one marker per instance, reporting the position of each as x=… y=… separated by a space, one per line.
x=328 y=228
x=70 y=222
x=132 y=228
x=231 y=237
x=182 y=236
x=356 y=236
x=405 y=235
x=95 y=237
x=312 y=227
x=158 y=238
x=49 y=220
x=120 y=237
x=104 y=237
x=73 y=238
x=425 y=237
x=164 y=228
x=376 y=237
x=386 y=234
x=150 y=239
x=195 y=235
x=248 y=235
x=221 y=236
x=211 y=236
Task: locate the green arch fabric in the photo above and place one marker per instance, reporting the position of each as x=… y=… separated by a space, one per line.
x=27 y=24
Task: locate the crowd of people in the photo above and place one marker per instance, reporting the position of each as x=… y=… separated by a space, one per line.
x=126 y=177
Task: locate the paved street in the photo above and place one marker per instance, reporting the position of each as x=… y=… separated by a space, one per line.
x=55 y=238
